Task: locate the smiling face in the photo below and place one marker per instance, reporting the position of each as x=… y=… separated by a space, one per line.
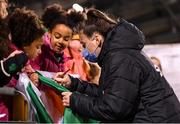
x=60 y=36
x=34 y=49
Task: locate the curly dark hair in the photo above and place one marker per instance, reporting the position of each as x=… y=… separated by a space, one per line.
x=53 y=15
x=98 y=21
x=76 y=21
x=25 y=27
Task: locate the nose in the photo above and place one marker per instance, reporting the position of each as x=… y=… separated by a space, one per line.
x=62 y=42
x=6 y=5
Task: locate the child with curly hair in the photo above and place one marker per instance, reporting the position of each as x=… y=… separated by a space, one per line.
x=55 y=40
x=26 y=32
x=77 y=64
x=52 y=57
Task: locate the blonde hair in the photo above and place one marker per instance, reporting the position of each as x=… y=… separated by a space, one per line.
x=159 y=62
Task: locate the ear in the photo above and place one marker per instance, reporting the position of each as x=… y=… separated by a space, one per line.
x=49 y=33
x=98 y=37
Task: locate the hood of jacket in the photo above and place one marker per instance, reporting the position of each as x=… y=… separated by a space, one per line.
x=124 y=35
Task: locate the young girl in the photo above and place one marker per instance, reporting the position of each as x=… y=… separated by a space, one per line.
x=26 y=32
x=52 y=57
x=77 y=64
x=55 y=40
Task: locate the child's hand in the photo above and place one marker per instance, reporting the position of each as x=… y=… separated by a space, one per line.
x=34 y=77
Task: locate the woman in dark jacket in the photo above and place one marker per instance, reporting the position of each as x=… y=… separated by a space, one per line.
x=130 y=89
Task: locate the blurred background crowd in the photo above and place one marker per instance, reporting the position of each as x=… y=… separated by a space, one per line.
x=158 y=19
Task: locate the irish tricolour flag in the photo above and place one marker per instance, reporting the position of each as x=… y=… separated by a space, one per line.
x=40 y=114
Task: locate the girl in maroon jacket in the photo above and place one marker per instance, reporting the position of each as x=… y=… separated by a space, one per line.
x=52 y=57
x=55 y=40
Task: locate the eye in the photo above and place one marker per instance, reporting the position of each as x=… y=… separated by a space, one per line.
x=57 y=36
x=67 y=38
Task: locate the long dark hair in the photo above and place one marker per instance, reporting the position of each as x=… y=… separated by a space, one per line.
x=76 y=21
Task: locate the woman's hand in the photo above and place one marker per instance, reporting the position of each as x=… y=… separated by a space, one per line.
x=62 y=79
x=66 y=98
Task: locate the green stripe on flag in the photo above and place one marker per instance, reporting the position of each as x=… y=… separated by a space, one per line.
x=43 y=116
x=69 y=116
x=49 y=82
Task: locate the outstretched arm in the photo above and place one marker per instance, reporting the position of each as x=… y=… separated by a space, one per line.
x=75 y=84
x=118 y=99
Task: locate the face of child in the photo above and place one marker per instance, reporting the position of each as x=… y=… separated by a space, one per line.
x=76 y=45
x=3 y=8
x=60 y=36
x=84 y=40
x=34 y=49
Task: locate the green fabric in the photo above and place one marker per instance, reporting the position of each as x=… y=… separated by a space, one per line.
x=42 y=115
x=49 y=82
x=12 y=67
x=69 y=116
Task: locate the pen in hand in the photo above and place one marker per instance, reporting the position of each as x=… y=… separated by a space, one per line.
x=65 y=72
x=60 y=74
x=60 y=77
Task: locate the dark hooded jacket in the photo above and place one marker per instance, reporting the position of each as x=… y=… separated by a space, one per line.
x=130 y=89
